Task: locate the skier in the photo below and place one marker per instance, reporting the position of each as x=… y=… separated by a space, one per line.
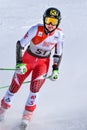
x=33 y=55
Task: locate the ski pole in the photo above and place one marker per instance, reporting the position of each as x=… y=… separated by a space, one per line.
x=7 y=69
x=2 y=87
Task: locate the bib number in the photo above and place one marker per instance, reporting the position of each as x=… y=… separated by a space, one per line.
x=41 y=52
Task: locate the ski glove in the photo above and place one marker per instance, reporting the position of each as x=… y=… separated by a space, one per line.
x=54 y=75
x=21 y=68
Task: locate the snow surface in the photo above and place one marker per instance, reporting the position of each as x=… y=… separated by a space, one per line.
x=62 y=104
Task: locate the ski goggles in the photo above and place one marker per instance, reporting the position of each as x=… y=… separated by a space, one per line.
x=53 y=21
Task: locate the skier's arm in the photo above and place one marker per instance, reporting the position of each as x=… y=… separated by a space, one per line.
x=22 y=44
x=56 y=61
x=55 y=66
x=58 y=52
x=20 y=67
x=57 y=58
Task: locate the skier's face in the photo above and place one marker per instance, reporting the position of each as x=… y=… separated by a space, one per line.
x=50 y=27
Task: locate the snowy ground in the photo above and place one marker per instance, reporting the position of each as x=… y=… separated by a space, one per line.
x=62 y=104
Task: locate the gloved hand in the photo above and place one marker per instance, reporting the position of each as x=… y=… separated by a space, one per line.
x=54 y=75
x=21 y=68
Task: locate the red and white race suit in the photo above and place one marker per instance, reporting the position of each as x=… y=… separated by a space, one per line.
x=37 y=49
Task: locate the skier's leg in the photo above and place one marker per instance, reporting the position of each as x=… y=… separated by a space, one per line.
x=38 y=78
x=8 y=97
x=29 y=108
